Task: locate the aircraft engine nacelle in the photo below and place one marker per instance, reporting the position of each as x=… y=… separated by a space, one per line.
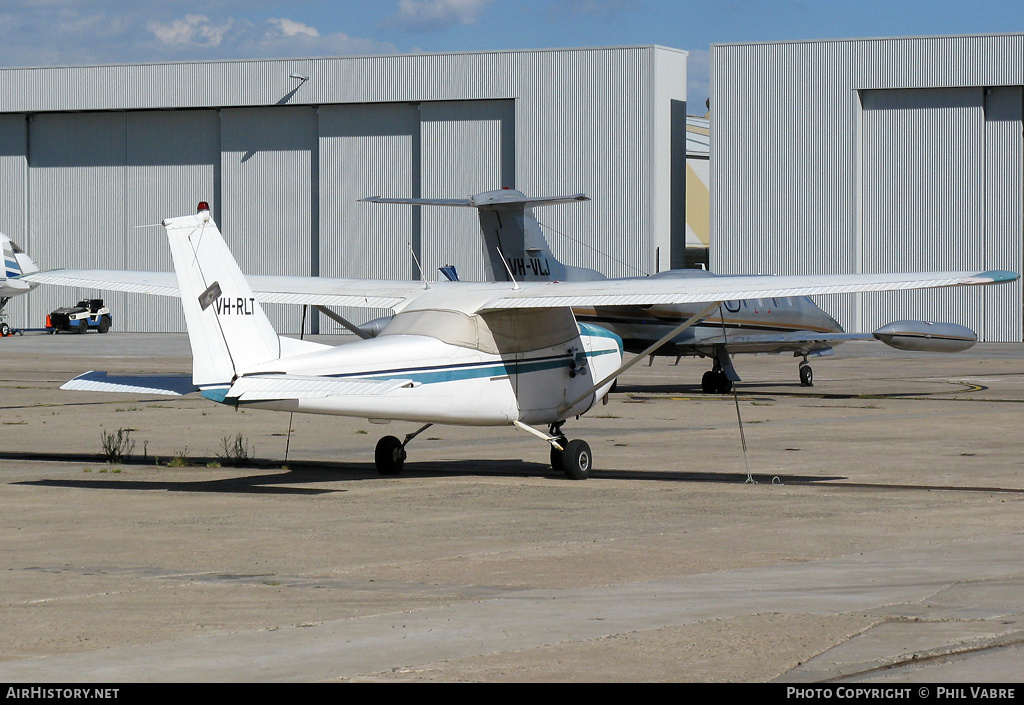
x=926 y=336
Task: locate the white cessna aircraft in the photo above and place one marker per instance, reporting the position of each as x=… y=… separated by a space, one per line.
x=515 y=249
x=16 y=264
x=464 y=353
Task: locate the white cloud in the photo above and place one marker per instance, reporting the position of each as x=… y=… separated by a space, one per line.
x=277 y=37
x=193 y=30
x=69 y=32
x=291 y=28
x=429 y=15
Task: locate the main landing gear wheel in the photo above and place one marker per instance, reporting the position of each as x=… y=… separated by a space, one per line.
x=806 y=376
x=5 y=330
x=389 y=456
x=715 y=382
x=576 y=460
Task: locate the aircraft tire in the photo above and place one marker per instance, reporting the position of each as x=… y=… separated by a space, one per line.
x=806 y=376
x=708 y=383
x=724 y=384
x=5 y=330
x=389 y=456
x=576 y=460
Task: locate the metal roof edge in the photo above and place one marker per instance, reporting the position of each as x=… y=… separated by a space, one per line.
x=869 y=39
x=354 y=57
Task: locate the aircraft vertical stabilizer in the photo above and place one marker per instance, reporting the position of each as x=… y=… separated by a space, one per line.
x=512 y=240
x=227 y=328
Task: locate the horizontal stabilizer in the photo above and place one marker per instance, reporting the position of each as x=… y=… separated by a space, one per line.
x=171 y=385
x=280 y=387
x=503 y=198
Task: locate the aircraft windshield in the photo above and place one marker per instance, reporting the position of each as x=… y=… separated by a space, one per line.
x=512 y=331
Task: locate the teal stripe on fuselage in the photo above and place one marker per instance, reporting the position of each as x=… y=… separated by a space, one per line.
x=478 y=370
x=444 y=373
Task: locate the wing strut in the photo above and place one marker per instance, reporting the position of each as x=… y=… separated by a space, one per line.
x=695 y=318
x=343 y=321
x=735 y=396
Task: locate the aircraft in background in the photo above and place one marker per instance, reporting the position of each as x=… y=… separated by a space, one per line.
x=462 y=353
x=16 y=264
x=515 y=249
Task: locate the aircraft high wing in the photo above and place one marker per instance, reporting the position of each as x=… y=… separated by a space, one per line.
x=464 y=353
x=12 y=282
x=515 y=248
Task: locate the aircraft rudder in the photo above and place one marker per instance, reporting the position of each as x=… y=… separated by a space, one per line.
x=228 y=329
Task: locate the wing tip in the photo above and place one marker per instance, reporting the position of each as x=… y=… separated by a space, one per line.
x=993 y=276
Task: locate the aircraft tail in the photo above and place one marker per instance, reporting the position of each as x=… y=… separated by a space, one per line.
x=511 y=235
x=16 y=262
x=227 y=328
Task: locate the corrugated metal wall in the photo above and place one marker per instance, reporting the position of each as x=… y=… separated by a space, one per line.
x=13 y=190
x=76 y=214
x=922 y=199
x=99 y=185
x=172 y=163
x=1004 y=222
x=869 y=155
x=283 y=161
x=367 y=150
x=466 y=148
x=266 y=206
x=597 y=132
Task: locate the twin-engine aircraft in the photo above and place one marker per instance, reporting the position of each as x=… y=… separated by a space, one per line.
x=463 y=353
x=515 y=249
x=16 y=264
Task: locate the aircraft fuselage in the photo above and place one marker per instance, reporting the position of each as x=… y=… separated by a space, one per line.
x=449 y=383
x=638 y=326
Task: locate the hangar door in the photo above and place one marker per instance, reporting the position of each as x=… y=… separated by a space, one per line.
x=941 y=189
x=266 y=208
x=439 y=149
x=98 y=182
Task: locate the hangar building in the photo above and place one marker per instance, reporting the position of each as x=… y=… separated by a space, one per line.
x=873 y=155
x=282 y=149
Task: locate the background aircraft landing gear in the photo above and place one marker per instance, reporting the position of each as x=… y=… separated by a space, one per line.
x=806 y=375
x=715 y=382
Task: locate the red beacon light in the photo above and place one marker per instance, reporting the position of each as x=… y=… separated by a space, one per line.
x=203 y=206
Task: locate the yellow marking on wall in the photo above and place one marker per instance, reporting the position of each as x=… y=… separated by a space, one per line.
x=698 y=207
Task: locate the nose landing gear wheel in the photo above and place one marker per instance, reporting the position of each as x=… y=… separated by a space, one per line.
x=576 y=460
x=389 y=456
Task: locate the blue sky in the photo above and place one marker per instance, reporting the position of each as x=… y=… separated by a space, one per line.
x=71 y=32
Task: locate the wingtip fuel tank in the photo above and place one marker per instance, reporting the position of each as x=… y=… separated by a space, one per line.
x=927 y=336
